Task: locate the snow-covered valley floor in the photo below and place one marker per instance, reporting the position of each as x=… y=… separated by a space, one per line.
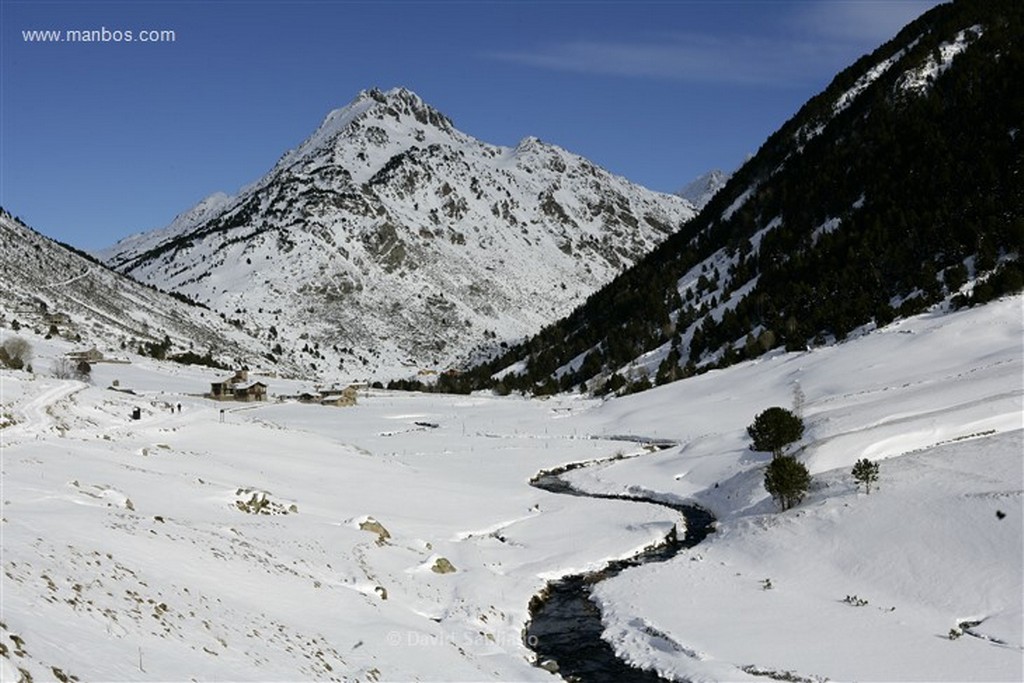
x=130 y=551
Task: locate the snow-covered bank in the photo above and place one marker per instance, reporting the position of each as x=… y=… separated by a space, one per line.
x=565 y=628
x=926 y=553
x=130 y=551
x=938 y=400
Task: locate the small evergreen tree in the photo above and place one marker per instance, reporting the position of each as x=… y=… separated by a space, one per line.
x=865 y=472
x=774 y=429
x=83 y=371
x=787 y=480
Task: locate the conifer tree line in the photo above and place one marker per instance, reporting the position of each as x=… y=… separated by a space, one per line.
x=893 y=205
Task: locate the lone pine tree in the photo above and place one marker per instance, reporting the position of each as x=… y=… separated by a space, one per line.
x=775 y=428
x=865 y=472
x=787 y=480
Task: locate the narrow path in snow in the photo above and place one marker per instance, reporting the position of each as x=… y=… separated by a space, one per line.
x=76 y=278
x=565 y=625
x=36 y=417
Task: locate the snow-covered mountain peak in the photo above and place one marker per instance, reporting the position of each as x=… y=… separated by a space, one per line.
x=373 y=117
x=528 y=144
x=700 y=190
x=400 y=101
x=390 y=238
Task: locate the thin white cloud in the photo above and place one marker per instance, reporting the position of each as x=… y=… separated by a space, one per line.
x=743 y=60
x=812 y=41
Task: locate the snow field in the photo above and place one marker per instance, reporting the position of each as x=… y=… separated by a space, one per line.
x=126 y=555
x=129 y=553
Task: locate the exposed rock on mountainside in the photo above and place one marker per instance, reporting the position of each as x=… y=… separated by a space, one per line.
x=389 y=241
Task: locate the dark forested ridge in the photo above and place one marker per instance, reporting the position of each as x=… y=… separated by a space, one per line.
x=887 y=193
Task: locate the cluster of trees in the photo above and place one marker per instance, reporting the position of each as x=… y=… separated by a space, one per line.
x=193 y=358
x=16 y=354
x=156 y=350
x=1008 y=277
x=161 y=351
x=446 y=383
x=786 y=478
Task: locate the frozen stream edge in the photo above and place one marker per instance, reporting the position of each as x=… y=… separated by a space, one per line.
x=565 y=626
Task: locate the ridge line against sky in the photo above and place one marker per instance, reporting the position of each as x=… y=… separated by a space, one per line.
x=105 y=139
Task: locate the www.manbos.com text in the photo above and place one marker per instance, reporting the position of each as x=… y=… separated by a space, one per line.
x=99 y=35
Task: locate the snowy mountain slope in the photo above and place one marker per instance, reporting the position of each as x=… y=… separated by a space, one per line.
x=896 y=189
x=390 y=240
x=127 y=554
x=46 y=283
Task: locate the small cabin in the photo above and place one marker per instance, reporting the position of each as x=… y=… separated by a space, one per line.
x=238 y=388
x=257 y=391
x=92 y=355
x=344 y=398
x=337 y=396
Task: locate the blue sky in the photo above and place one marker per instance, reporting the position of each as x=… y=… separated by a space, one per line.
x=101 y=140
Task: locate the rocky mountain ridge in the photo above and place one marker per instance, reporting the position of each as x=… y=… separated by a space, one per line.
x=390 y=242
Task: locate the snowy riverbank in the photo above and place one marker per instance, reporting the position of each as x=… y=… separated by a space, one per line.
x=127 y=557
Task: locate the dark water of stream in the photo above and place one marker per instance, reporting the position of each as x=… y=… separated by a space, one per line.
x=565 y=625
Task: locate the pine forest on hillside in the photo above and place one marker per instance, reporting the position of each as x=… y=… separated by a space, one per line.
x=860 y=209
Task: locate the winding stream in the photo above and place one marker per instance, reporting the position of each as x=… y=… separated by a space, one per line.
x=565 y=625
